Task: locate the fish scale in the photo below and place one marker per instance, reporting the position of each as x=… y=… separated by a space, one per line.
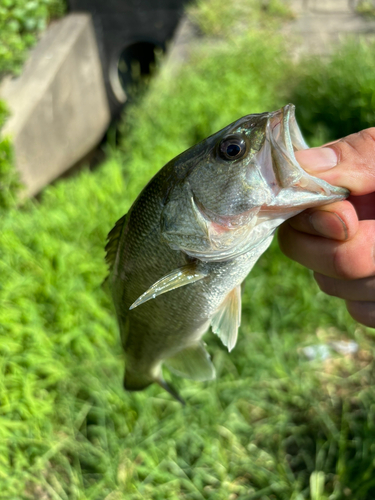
x=179 y=256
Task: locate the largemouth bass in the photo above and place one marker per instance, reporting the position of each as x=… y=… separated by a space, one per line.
x=195 y=231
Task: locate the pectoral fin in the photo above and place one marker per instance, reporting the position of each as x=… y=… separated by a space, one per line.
x=227 y=319
x=193 y=362
x=179 y=277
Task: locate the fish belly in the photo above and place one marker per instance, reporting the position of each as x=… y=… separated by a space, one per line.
x=168 y=324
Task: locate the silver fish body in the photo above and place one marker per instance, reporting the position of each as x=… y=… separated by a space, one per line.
x=195 y=231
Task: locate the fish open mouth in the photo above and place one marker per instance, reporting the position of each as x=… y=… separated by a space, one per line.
x=285 y=131
x=285 y=139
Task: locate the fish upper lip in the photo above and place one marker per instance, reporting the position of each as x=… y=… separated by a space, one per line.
x=285 y=138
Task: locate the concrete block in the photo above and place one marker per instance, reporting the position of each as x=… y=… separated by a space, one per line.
x=321 y=24
x=120 y=24
x=331 y=6
x=59 y=109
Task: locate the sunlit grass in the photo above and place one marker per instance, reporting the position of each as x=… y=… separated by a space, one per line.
x=270 y=426
x=335 y=98
x=21 y=23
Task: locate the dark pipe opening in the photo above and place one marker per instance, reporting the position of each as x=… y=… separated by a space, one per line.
x=136 y=64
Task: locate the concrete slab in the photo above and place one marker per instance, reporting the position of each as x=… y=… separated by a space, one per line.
x=59 y=109
x=320 y=24
x=330 y=6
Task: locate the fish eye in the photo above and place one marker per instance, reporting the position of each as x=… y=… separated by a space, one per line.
x=232 y=147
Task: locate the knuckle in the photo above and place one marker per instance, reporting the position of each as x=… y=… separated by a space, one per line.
x=358 y=147
x=368 y=134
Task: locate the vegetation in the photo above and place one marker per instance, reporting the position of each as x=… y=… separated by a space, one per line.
x=273 y=426
x=221 y=18
x=10 y=185
x=336 y=98
x=366 y=8
x=21 y=22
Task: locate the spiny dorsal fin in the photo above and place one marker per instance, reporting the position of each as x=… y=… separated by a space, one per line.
x=113 y=240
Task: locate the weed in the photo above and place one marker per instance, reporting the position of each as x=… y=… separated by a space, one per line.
x=21 y=22
x=273 y=425
x=335 y=98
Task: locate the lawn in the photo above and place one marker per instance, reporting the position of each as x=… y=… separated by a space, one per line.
x=274 y=425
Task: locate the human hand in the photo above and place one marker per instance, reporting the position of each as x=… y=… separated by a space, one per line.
x=337 y=241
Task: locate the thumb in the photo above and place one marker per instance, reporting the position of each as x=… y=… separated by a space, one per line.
x=348 y=162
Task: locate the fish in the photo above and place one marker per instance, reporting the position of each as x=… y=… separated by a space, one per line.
x=178 y=258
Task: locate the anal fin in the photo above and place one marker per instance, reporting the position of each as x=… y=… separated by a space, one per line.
x=192 y=362
x=227 y=319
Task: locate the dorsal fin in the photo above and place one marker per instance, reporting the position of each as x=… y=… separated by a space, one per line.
x=113 y=240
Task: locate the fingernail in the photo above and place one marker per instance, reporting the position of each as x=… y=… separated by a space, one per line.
x=329 y=225
x=317 y=159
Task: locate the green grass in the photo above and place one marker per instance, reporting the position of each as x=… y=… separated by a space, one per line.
x=10 y=185
x=222 y=18
x=273 y=426
x=68 y=428
x=366 y=8
x=335 y=98
x=21 y=23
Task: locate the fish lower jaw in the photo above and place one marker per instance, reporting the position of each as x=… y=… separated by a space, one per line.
x=290 y=202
